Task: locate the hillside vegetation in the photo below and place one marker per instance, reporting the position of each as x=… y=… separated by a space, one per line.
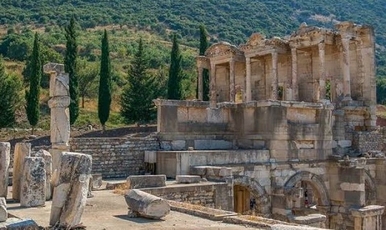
x=154 y=21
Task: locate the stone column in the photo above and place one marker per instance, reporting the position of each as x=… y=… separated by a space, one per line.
x=274 y=76
x=232 y=80
x=213 y=93
x=71 y=184
x=200 y=83
x=5 y=148
x=22 y=150
x=346 y=68
x=294 y=84
x=60 y=114
x=33 y=183
x=248 y=79
x=322 y=71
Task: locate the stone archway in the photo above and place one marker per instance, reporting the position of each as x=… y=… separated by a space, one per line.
x=370 y=189
x=257 y=192
x=314 y=180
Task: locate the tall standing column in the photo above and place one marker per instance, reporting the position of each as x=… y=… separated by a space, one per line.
x=248 y=79
x=360 y=71
x=60 y=114
x=200 y=83
x=346 y=68
x=232 y=80
x=213 y=95
x=322 y=71
x=294 y=84
x=274 y=77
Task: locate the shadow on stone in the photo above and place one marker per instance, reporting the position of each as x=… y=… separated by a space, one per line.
x=139 y=220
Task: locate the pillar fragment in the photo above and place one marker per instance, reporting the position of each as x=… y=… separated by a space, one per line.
x=294 y=84
x=322 y=71
x=213 y=94
x=274 y=77
x=248 y=79
x=232 y=80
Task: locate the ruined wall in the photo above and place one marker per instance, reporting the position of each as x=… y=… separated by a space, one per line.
x=115 y=157
x=205 y=194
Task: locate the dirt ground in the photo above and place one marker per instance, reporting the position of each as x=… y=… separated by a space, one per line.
x=107 y=210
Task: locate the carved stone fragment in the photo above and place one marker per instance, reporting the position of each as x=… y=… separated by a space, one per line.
x=5 y=149
x=33 y=183
x=70 y=182
x=22 y=150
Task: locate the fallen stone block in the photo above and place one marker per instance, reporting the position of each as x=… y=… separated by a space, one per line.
x=3 y=209
x=33 y=183
x=146 y=181
x=14 y=223
x=71 y=183
x=5 y=148
x=188 y=179
x=146 y=205
x=96 y=181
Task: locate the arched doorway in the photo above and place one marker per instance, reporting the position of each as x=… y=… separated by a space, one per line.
x=250 y=197
x=306 y=193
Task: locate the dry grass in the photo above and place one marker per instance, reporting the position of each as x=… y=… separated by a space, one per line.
x=121 y=189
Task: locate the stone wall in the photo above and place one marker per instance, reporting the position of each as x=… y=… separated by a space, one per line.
x=115 y=157
x=205 y=194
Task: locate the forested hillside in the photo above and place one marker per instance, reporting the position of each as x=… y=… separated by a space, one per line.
x=229 y=20
x=155 y=22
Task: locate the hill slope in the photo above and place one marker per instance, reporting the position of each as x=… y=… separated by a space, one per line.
x=229 y=20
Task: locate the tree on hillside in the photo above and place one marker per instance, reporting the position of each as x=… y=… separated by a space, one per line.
x=87 y=73
x=175 y=72
x=205 y=73
x=32 y=96
x=137 y=98
x=70 y=68
x=104 y=99
x=10 y=86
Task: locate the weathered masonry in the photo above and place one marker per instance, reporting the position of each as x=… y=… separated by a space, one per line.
x=292 y=121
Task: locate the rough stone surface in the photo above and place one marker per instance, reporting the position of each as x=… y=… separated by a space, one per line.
x=146 y=181
x=48 y=165
x=188 y=179
x=3 y=209
x=33 y=183
x=116 y=157
x=71 y=184
x=14 y=223
x=146 y=205
x=5 y=149
x=22 y=150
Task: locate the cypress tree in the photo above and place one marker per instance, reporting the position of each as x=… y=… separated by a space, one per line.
x=136 y=99
x=104 y=99
x=175 y=72
x=32 y=96
x=205 y=73
x=70 y=68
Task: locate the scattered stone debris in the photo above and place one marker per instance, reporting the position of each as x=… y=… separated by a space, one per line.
x=146 y=205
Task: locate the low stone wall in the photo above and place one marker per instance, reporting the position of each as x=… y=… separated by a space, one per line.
x=116 y=157
x=205 y=194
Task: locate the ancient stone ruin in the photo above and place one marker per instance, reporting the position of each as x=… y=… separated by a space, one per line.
x=290 y=126
x=60 y=114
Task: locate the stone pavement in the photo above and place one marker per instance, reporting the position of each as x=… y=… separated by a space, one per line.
x=107 y=210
